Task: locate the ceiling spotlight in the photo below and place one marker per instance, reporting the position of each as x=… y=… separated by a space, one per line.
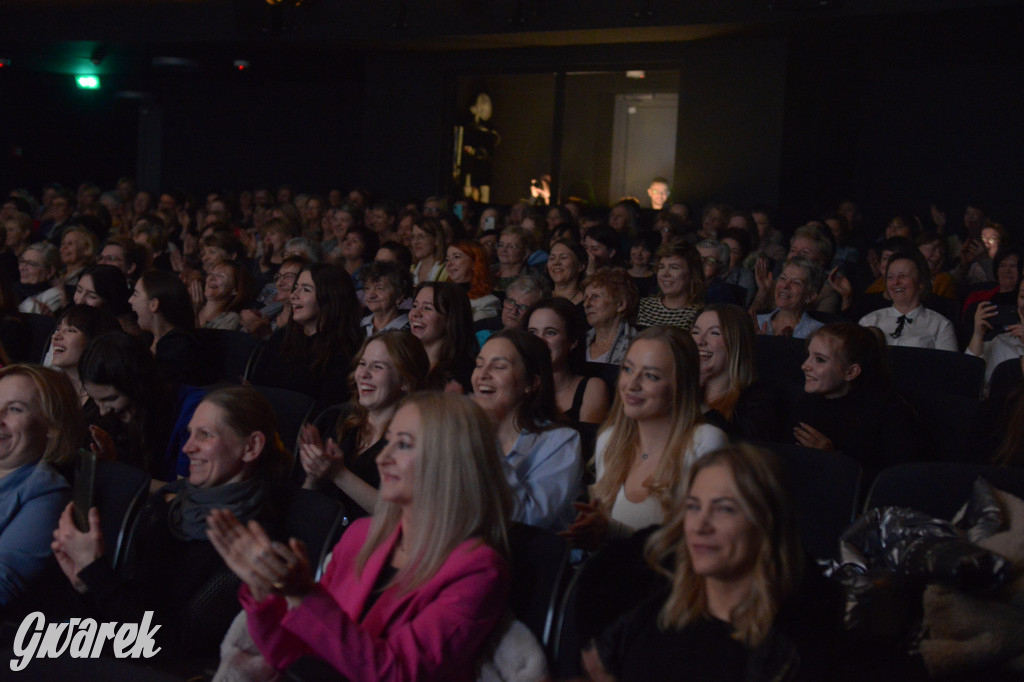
x=88 y=82
x=4 y=62
x=242 y=64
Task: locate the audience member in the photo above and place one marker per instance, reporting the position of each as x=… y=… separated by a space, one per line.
x=513 y=385
x=40 y=286
x=418 y=587
x=236 y=462
x=908 y=322
x=795 y=291
x=442 y=319
x=681 y=281
x=610 y=302
x=312 y=354
x=42 y=426
x=389 y=366
x=654 y=434
x=558 y=323
x=733 y=399
x=739 y=602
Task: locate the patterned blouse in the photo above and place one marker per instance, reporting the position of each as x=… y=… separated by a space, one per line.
x=653 y=313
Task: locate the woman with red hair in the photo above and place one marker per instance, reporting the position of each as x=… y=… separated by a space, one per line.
x=468 y=267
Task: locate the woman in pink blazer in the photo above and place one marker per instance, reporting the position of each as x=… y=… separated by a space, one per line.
x=413 y=592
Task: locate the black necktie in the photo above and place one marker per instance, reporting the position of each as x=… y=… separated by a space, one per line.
x=900 y=322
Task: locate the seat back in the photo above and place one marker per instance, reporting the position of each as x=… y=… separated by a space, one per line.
x=318 y=521
x=949 y=421
x=40 y=328
x=606 y=372
x=540 y=561
x=226 y=354
x=825 y=489
x=928 y=369
x=292 y=408
x=778 y=360
x=938 y=489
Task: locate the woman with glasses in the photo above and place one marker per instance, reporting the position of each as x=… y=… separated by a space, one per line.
x=513 y=251
x=39 y=287
x=278 y=312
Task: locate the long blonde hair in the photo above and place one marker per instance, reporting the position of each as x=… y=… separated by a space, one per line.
x=686 y=416
x=460 y=491
x=778 y=567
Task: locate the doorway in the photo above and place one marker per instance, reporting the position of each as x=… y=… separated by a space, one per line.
x=643 y=142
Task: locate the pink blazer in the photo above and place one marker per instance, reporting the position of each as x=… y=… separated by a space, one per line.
x=432 y=633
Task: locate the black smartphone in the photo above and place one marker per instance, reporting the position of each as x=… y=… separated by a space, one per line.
x=84 y=489
x=1006 y=314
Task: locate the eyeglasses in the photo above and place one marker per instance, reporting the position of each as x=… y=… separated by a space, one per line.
x=26 y=261
x=990 y=240
x=710 y=260
x=283 y=276
x=509 y=246
x=514 y=307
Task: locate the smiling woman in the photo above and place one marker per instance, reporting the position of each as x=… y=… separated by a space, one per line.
x=40 y=425
x=389 y=366
x=654 y=433
x=235 y=457
x=847 y=386
x=513 y=384
x=418 y=587
x=737 y=603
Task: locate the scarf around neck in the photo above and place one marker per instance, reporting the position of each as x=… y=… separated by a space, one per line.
x=188 y=510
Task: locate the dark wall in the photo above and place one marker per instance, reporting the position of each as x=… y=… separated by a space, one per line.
x=241 y=132
x=899 y=117
x=50 y=131
x=895 y=113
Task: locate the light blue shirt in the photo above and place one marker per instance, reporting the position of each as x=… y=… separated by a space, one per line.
x=545 y=471
x=32 y=498
x=807 y=325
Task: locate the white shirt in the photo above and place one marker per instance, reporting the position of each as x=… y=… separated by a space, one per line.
x=485 y=307
x=52 y=298
x=1000 y=348
x=924 y=328
x=636 y=515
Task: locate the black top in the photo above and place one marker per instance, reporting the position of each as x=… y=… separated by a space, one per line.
x=363 y=465
x=877 y=429
x=573 y=413
x=327 y=385
x=193 y=594
x=758 y=416
x=177 y=357
x=647 y=286
x=805 y=642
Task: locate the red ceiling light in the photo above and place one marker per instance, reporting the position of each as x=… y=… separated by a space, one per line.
x=242 y=65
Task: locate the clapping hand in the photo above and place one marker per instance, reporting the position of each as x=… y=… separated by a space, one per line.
x=267 y=567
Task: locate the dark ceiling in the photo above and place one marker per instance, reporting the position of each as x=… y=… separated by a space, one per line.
x=123 y=36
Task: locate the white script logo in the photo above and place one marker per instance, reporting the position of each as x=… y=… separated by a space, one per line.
x=81 y=638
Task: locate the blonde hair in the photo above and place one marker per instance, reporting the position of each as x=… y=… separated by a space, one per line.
x=778 y=566
x=686 y=416
x=460 y=491
x=58 y=400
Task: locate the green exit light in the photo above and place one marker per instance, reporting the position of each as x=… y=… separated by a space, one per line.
x=88 y=82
